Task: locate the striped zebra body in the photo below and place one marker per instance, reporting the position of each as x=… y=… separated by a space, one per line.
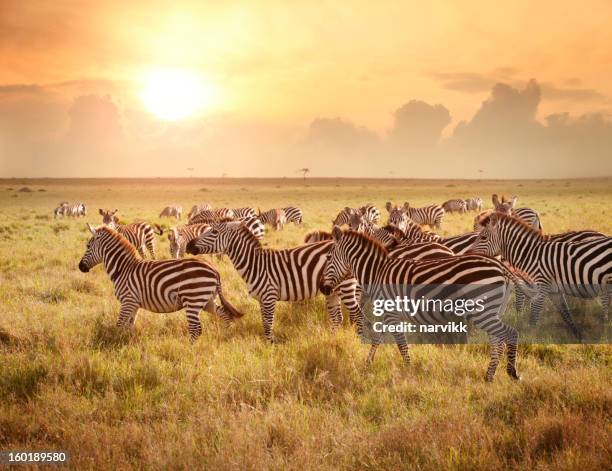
x=317 y=236
x=579 y=269
x=209 y=216
x=294 y=215
x=456 y=205
x=242 y=213
x=140 y=234
x=415 y=233
x=370 y=213
x=428 y=215
x=75 y=210
x=480 y=278
x=277 y=275
x=344 y=216
x=254 y=225
x=461 y=243
x=172 y=211
x=274 y=217
x=196 y=208
x=157 y=286
x=473 y=204
x=420 y=251
x=179 y=237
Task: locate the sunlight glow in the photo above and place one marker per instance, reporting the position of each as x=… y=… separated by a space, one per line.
x=173 y=95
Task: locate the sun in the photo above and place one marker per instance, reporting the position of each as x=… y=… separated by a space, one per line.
x=172 y=95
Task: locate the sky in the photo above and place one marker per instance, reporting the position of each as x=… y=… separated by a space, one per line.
x=501 y=89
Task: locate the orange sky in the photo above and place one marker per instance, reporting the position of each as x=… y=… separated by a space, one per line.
x=283 y=64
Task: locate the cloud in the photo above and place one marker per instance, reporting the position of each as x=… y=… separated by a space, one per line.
x=551 y=92
x=418 y=124
x=464 y=82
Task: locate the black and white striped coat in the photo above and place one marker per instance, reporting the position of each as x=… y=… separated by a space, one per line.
x=172 y=211
x=140 y=234
x=383 y=277
x=581 y=269
x=274 y=217
x=293 y=214
x=428 y=215
x=179 y=237
x=455 y=205
x=241 y=213
x=369 y=212
x=158 y=286
x=277 y=275
x=317 y=236
x=75 y=210
x=461 y=243
x=473 y=204
x=529 y=216
x=254 y=225
x=210 y=216
x=196 y=208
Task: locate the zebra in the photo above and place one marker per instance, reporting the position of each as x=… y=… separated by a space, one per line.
x=211 y=215
x=278 y=275
x=420 y=251
x=481 y=277
x=180 y=236
x=369 y=212
x=429 y=215
x=76 y=210
x=172 y=211
x=158 y=286
x=140 y=234
x=473 y=204
x=293 y=214
x=317 y=236
x=414 y=233
x=580 y=269
x=254 y=225
x=276 y=218
x=397 y=216
x=384 y=236
x=530 y=216
x=196 y=208
x=344 y=216
x=460 y=244
x=241 y=213
x=456 y=205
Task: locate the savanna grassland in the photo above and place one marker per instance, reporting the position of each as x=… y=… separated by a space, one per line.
x=69 y=380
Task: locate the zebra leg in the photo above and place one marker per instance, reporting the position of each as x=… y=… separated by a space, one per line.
x=512 y=343
x=268 y=306
x=519 y=300
x=350 y=294
x=127 y=314
x=497 y=348
x=560 y=303
x=334 y=311
x=193 y=322
x=537 y=303
x=605 y=301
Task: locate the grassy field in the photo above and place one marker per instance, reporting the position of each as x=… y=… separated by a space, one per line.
x=69 y=380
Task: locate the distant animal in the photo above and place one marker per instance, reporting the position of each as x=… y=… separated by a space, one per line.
x=293 y=214
x=172 y=211
x=75 y=210
x=370 y=213
x=474 y=204
x=428 y=215
x=210 y=216
x=179 y=237
x=158 y=286
x=274 y=217
x=196 y=208
x=140 y=234
x=456 y=205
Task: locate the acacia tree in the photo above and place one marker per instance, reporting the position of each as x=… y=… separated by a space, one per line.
x=305 y=171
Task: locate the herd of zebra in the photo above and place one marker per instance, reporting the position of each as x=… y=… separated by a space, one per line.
x=507 y=249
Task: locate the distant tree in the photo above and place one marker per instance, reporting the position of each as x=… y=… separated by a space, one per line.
x=190 y=170
x=304 y=171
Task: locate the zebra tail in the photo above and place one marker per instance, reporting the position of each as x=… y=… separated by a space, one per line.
x=158 y=229
x=229 y=308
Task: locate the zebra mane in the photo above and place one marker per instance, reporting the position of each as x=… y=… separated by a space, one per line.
x=367 y=239
x=514 y=220
x=324 y=234
x=119 y=239
x=244 y=231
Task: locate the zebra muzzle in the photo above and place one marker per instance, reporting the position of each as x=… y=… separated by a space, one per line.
x=83 y=267
x=191 y=248
x=326 y=289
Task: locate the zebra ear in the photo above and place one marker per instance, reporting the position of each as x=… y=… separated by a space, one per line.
x=336 y=233
x=495 y=200
x=115 y=211
x=388 y=206
x=101 y=211
x=513 y=201
x=91 y=229
x=406 y=205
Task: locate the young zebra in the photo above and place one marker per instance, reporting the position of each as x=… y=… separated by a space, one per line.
x=277 y=275
x=172 y=211
x=274 y=217
x=241 y=213
x=480 y=277
x=210 y=216
x=75 y=210
x=140 y=234
x=293 y=214
x=157 y=286
x=196 y=208
x=579 y=269
x=179 y=237
x=473 y=204
x=456 y=205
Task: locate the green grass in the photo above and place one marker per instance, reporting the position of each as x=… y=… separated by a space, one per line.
x=70 y=380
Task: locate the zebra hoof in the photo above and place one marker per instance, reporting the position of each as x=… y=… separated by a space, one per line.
x=514 y=375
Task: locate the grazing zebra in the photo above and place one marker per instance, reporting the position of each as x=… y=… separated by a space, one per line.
x=369 y=212
x=456 y=205
x=529 y=216
x=196 y=208
x=278 y=275
x=172 y=211
x=241 y=213
x=210 y=216
x=579 y=269
x=294 y=215
x=480 y=277
x=179 y=237
x=461 y=243
x=75 y=210
x=140 y=234
x=157 y=286
x=473 y=204
x=317 y=236
x=274 y=217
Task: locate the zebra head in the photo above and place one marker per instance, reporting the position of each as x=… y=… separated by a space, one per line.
x=505 y=206
x=176 y=241
x=488 y=241
x=215 y=240
x=337 y=267
x=93 y=253
x=108 y=217
x=398 y=216
x=357 y=223
x=343 y=216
